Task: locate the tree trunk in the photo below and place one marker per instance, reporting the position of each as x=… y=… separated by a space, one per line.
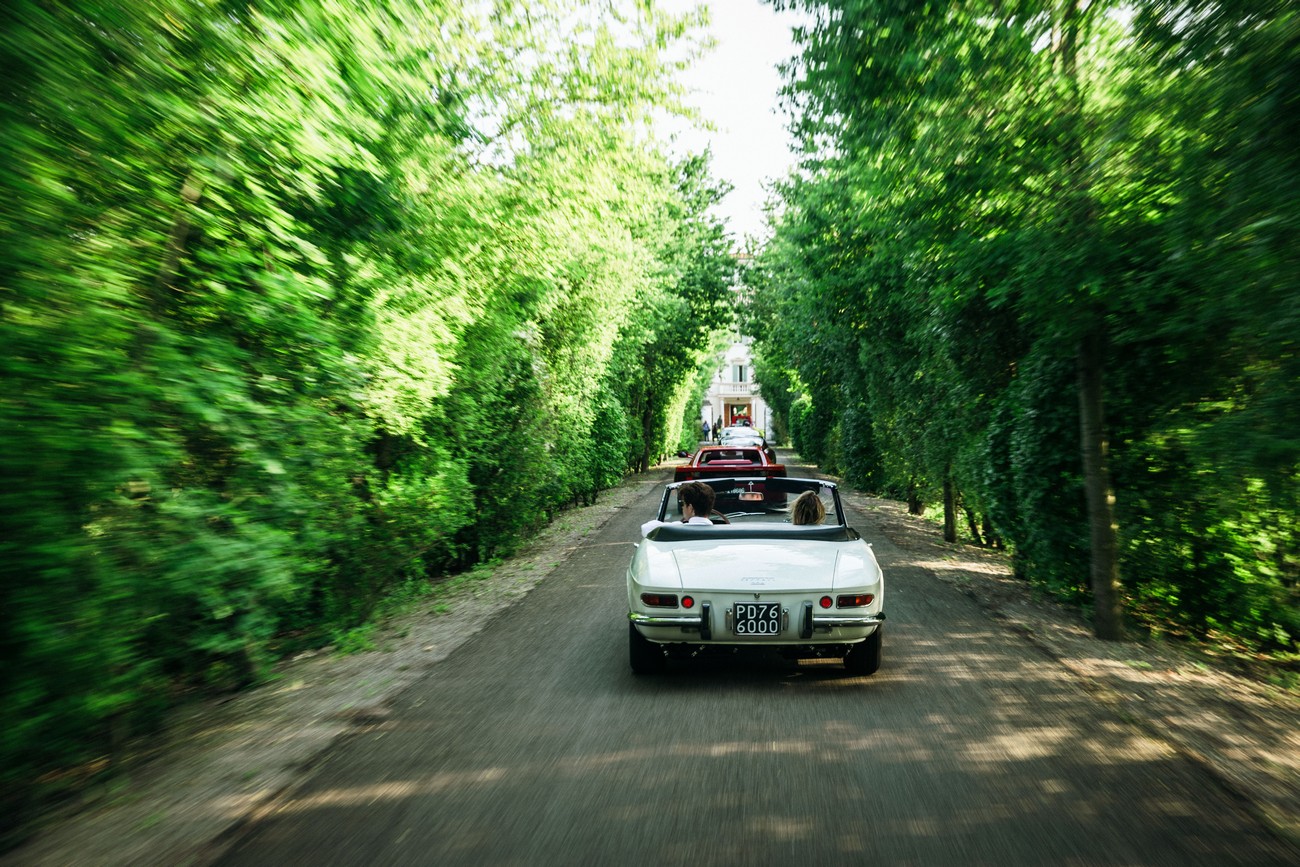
x=1104 y=573
x=991 y=536
x=191 y=192
x=1107 y=622
x=973 y=526
x=949 y=510
x=647 y=432
x=914 y=504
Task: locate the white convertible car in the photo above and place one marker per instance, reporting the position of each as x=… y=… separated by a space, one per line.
x=755 y=579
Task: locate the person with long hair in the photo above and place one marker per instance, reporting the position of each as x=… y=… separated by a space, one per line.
x=807 y=509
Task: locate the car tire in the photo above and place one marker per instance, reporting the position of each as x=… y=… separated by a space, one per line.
x=645 y=656
x=864 y=658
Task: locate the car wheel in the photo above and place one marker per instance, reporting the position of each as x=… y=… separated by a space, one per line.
x=864 y=658
x=645 y=656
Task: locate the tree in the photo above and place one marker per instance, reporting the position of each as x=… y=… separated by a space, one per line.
x=1038 y=174
x=303 y=305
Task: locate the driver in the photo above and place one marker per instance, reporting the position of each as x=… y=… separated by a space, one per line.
x=696 y=500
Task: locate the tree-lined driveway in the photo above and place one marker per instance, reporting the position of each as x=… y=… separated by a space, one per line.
x=534 y=744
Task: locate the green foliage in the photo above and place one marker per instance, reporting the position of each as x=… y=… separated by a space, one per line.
x=303 y=306
x=987 y=185
x=666 y=339
x=358 y=639
x=1043 y=487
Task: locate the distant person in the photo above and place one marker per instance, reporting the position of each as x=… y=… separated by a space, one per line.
x=706 y=429
x=807 y=509
x=697 y=503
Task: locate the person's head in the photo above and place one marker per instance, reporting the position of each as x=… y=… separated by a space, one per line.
x=807 y=509
x=698 y=496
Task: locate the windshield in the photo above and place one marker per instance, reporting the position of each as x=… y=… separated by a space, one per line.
x=749 y=500
x=725 y=456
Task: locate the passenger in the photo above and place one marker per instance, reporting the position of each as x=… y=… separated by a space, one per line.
x=807 y=509
x=697 y=503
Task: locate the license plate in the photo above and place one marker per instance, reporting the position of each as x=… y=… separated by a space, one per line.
x=757 y=618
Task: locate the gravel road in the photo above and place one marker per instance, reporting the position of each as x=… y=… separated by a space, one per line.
x=510 y=731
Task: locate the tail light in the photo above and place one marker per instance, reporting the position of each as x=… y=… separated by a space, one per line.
x=659 y=600
x=856 y=600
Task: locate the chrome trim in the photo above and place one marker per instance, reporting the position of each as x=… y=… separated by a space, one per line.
x=844 y=620
x=819 y=621
x=664 y=619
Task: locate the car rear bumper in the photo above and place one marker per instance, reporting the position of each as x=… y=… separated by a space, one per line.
x=845 y=621
x=683 y=620
x=801 y=626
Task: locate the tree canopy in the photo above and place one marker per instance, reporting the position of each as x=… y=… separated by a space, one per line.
x=305 y=303
x=1038 y=264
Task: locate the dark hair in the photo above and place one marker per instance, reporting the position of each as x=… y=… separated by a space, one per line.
x=698 y=495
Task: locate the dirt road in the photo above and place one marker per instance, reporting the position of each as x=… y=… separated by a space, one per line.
x=996 y=731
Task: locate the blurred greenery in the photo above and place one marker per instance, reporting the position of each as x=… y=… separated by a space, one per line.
x=304 y=306
x=998 y=200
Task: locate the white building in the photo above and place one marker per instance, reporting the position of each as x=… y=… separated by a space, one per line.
x=734 y=394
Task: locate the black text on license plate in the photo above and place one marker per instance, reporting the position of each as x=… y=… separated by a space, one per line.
x=758 y=618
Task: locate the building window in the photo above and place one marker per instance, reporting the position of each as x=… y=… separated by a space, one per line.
x=740 y=373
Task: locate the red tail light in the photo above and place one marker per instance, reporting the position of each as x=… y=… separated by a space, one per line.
x=660 y=600
x=688 y=602
x=825 y=602
x=854 y=601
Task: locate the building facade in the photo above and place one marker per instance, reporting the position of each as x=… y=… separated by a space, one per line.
x=733 y=394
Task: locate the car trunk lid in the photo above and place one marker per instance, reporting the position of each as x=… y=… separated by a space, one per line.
x=755 y=566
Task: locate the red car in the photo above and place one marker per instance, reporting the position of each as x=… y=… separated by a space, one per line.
x=730 y=462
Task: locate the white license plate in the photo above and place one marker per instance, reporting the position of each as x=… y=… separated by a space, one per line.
x=757 y=618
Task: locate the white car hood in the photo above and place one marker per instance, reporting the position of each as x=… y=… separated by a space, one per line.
x=749 y=565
